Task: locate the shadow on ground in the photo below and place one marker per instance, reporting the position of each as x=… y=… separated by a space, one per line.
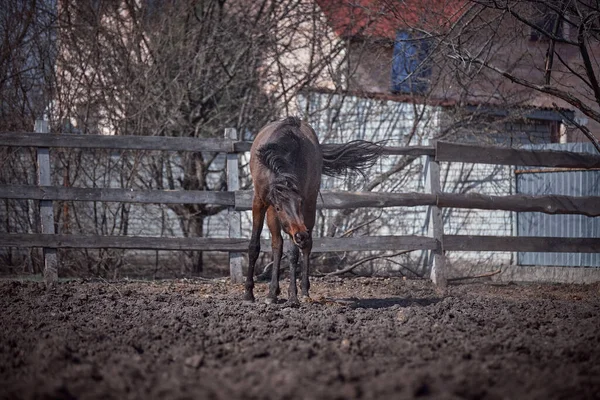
x=386 y=302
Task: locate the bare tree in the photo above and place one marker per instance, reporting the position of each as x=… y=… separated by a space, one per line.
x=26 y=60
x=540 y=53
x=177 y=68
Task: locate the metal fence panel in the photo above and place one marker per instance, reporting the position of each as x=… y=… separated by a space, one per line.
x=571 y=183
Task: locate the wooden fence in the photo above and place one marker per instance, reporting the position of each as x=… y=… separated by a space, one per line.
x=238 y=200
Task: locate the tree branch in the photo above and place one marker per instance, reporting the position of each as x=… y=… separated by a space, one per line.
x=364 y=260
x=548 y=89
x=589 y=69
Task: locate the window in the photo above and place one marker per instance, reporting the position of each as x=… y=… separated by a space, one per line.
x=410 y=68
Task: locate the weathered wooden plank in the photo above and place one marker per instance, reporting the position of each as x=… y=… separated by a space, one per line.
x=373 y=243
x=521 y=243
x=342 y=200
x=46 y=208
x=235 y=221
x=243 y=200
x=241 y=147
x=167 y=143
x=122 y=242
x=436 y=225
x=116 y=195
x=446 y=151
x=549 y=204
x=364 y=243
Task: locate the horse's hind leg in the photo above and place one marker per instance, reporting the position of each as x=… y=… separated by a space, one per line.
x=277 y=245
x=258 y=219
x=293 y=290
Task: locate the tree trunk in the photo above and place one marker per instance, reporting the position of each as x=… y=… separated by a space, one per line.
x=198 y=231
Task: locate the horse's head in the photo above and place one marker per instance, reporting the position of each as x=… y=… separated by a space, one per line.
x=289 y=206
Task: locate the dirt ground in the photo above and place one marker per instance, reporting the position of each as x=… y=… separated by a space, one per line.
x=369 y=338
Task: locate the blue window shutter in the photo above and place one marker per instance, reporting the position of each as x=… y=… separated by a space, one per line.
x=409 y=73
x=401 y=65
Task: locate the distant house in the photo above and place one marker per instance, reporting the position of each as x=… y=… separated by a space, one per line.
x=396 y=90
x=388 y=52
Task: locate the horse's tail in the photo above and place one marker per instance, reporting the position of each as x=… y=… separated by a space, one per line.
x=355 y=156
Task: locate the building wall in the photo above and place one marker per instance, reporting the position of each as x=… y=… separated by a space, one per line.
x=369 y=65
x=340 y=118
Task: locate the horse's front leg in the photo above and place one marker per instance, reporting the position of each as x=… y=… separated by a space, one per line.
x=258 y=219
x=293 y=290
x=305 y=269
x=277 y=246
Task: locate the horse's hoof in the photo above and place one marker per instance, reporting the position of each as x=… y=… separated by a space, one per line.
x=306 y=299
x=293 y=302
x=248 y=298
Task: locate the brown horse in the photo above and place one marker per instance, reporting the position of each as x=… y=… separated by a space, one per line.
x=286 y=163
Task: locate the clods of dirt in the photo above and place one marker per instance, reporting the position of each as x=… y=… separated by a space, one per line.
x=367 y=338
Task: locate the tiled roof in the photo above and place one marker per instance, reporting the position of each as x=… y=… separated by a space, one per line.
x=383 y=18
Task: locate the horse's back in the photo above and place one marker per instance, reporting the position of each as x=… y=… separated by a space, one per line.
x=275 y=130
x=309 y=147
x=307 y=156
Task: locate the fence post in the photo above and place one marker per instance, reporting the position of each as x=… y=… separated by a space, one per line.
x=436 y=224
x=235 y=222
x=46 y=208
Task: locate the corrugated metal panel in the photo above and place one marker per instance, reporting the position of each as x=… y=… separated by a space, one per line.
x=572 y=183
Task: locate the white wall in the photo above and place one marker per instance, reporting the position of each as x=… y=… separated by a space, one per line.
x=338 y=119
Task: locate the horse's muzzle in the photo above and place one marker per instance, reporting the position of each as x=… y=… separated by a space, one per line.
x=301 y=239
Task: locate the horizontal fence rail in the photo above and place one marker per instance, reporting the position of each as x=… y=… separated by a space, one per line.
x=117 y=195
x=238 y=200
x=443 y=151
x=547 y=204
x=242 y=200
x=165 y=143
x=333 y=200
x=521 y=243
x=320 y=245
x=446 y=151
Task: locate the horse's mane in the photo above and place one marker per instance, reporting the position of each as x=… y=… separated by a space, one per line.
x=278 y=157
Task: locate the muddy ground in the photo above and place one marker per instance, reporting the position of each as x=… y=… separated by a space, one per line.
x=370 y=338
